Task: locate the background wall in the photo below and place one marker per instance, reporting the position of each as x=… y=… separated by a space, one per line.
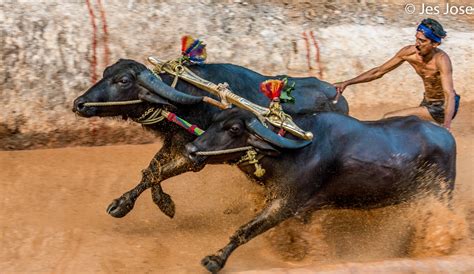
x=52 y=51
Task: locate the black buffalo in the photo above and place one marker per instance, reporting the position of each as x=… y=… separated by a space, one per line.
x=350 y=164
x=130 y=80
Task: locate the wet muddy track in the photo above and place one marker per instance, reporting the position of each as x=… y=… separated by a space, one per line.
x=53 y=219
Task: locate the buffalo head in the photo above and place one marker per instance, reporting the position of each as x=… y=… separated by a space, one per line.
x=128 y=80
x=236 y=128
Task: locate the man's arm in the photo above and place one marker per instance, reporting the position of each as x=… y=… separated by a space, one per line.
x=446 y=72
x=377 y=72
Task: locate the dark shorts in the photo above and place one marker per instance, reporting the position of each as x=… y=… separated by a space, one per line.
x=436 y=108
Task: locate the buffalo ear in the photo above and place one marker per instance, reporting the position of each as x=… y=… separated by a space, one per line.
x=262 y=146
x=145 y=95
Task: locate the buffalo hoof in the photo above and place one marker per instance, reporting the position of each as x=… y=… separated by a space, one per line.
x=120 y=207
x=213 y=263
x=164 y=203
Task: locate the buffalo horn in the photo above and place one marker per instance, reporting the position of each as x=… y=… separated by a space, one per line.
x=149 y=81
x=266 y=134
x=146 y=95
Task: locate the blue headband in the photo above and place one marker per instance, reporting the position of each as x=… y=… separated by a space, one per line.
x=429 y=33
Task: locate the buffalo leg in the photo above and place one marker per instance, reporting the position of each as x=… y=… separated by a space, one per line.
x=125 y=203
x=273 y=214
x=165 y=164
x=179 y=165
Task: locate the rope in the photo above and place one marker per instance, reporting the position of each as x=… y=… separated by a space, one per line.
x=250 y=157
x=156 y=117
x=224 y=151
x=117 y=103
x=193 y=129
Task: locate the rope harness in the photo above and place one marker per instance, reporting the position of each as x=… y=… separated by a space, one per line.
x=250 y=158
x=177 y=69
x=155 y=117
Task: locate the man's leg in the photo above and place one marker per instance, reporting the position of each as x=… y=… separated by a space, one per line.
x=421 y=112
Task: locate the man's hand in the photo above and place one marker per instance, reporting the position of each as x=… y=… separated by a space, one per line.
x=377 y=72
x=448 y=127
x=340 y=86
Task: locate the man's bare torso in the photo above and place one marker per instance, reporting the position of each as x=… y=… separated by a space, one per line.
x=428 y=71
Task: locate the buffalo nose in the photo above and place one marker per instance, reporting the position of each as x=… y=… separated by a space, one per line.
x=78 y=104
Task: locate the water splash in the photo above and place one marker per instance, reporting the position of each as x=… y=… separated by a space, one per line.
x=422 y=228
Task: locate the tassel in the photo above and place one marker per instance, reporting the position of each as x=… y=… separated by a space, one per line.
x=272 y=88
x=193 y=50
x=278 y=89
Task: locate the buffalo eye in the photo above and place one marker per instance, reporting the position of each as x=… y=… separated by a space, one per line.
x=234 y=129
x=123 y=81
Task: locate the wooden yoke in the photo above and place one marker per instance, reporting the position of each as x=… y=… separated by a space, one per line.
x=228 y=97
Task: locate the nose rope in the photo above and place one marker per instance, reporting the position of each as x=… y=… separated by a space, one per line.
x=223 y=151
x=116 y=103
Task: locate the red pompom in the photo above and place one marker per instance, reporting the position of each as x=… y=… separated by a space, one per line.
x=272 y=88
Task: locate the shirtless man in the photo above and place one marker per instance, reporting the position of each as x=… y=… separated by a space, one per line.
x=440 y=102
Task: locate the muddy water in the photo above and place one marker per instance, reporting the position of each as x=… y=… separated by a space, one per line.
x=53 y=219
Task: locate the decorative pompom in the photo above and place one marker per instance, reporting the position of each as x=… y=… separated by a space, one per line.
x=272 y=88
x=193 y=50
x=186 y=42
x=278 y=89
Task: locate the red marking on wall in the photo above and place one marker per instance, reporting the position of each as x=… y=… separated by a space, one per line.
x=306 y=40
x=317 y=55
x=94 y=17
x=93 y=67
x=104 y=40
x=105 y=37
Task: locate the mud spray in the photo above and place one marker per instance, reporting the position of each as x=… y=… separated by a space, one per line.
x=424 y=227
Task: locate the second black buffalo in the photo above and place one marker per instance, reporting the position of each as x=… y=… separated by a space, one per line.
x=349 y=164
